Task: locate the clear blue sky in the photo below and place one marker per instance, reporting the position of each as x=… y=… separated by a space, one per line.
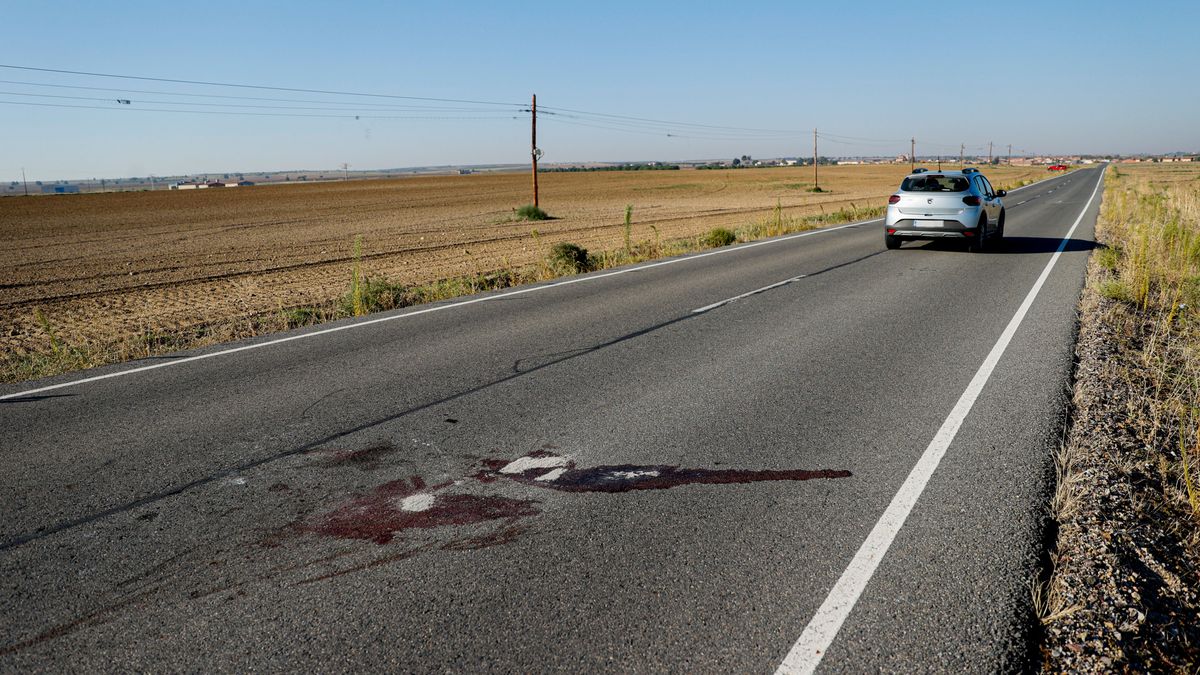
x=1047 y=77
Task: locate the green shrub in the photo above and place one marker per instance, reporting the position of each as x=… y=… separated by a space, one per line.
x=372 y=295
x=1115 y=289
x=718 y=237
x=1109 y=257
x=301 y=316
x=568 y=258
x=531 y=212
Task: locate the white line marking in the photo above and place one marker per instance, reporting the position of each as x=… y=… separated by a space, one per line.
x=777 y=284
x=552 y=475
x=419 y=502
x=524 y=464
x=756 y=291
x=438 y=308
x=806 y=654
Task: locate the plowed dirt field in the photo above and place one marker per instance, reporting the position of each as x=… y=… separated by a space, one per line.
x=106 y=268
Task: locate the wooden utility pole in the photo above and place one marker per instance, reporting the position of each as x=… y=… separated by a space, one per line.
x=961 y=148
x=989 y=152
x=533 y=148
x=1008 y=160
x=816 y=183
x=912 y=154
x=25 y=181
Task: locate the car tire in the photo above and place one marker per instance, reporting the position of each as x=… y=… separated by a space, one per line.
x=891 y=242
x=1000 y=226
x=979 y=243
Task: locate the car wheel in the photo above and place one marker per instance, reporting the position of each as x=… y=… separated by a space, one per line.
x=1000 y=226
x=980 y=242
x=891 y=242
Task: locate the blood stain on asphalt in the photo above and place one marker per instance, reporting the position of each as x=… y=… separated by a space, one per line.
x=400 y=505
x=539 y=469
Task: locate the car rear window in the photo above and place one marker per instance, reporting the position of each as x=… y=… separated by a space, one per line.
x=934 y=183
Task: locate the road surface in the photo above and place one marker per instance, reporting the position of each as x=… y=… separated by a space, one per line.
x=807 y=452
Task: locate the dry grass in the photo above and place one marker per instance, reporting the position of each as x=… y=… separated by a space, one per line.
x=1151 y=224
x=124 y=275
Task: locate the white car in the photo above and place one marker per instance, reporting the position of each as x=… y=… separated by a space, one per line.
x=946 y=205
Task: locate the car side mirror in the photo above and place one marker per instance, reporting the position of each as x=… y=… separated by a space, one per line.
x=1001 y=193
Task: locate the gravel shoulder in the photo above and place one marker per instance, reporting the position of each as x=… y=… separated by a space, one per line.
x=1125 y=587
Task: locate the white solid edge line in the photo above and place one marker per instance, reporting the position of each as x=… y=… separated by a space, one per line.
x=777 y=284
x=438 y=308
x=821 y=630
x=427 y=310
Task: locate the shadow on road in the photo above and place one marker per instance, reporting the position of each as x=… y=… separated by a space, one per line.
x=1011 y=245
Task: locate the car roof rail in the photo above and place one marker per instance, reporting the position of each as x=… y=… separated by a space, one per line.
x=970 y=169
x=920 y=170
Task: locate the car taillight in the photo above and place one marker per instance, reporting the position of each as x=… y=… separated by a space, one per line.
x=971 y=200
x=894 y=199
x=891 y=230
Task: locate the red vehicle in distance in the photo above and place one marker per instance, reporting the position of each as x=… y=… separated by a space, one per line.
x=1057 y=167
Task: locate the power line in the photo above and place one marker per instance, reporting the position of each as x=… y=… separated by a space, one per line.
x=657 y=122
x=128 y=108
x=250 y=86
x=159 y=92
x=584 y=118
x=230 y=105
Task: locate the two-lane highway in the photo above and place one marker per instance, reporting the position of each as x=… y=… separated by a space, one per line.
x=804 y=451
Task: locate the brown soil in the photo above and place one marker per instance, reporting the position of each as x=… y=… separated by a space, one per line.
x=103 y=268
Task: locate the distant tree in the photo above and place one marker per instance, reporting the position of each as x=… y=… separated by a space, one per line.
x=737 y=162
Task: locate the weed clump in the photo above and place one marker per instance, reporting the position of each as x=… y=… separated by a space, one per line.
x=718 y=237
x=629 y=229
x=531 y=212
x=1109 y=258
x=568 y=258
x=373 y=295
x=1115 y=289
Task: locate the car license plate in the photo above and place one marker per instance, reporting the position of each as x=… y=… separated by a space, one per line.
x=929 y=223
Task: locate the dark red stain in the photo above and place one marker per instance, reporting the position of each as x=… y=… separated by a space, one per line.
x=378 y=517
x=377 y=562
x=497 y=538
x=629 y=477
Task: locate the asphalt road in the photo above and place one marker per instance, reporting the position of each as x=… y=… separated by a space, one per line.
x=589 y=475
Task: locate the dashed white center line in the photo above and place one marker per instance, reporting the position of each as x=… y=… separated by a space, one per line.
x=756 y=291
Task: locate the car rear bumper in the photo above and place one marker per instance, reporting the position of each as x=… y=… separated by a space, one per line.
x=925 y=234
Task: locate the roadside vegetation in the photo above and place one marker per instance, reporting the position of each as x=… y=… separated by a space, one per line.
x=45 y=339
x=1124 y=593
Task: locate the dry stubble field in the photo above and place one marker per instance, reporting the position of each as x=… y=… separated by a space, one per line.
x=107 y=270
